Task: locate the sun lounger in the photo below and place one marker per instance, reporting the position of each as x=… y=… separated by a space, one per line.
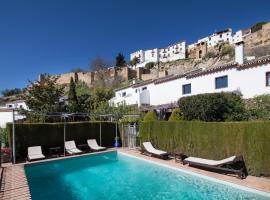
x=92 y=143
x=71 y=148
x=147 y=148
x=35 y=153
x=231 y=165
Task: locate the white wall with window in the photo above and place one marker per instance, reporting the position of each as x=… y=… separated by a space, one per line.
x=250 y=82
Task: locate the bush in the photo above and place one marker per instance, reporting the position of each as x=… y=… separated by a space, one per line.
x=214 y=140
x=213 y=107
x=257 y=26
x=259 y=107
x=150 y=116
x=49 y=135
x=176 y=115
x=210 y=54
x=227 y=50
x=149 y=65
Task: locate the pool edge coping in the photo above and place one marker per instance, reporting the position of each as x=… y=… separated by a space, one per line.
x=217 y=180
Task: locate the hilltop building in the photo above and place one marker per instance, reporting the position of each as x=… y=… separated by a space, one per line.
x=173 y=52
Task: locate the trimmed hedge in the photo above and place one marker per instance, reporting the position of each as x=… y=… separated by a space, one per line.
x=49 y=135
x=214 y=140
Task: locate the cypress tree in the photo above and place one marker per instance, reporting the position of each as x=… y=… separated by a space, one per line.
x=120 y=60
x=72 y=97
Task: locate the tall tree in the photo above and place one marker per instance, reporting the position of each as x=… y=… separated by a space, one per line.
x=72 y=97
x=120 y=60
x=99 y=64
x=44 y=95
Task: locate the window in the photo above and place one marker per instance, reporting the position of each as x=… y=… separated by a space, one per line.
x=144 y=88
x=220 y=36
x=221 y=82
x=186 y=89
x=124 y=94
x=267 y=78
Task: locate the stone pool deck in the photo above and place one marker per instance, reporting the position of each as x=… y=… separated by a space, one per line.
x=14 y=183
x=259 y=183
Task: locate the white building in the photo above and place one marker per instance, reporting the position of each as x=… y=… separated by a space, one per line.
x=19 y=104
x=6 y=112
x=217 y=37
x=170 y=53
x=251 y=78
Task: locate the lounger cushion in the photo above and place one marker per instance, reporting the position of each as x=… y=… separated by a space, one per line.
x=36 y=157
x=149 y=147
x=35 y=153
x=71 y=148
x=93 y=145
x=73 y=151
x=210 y=162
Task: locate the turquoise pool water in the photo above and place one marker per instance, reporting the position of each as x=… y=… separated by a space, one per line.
x=119 y=177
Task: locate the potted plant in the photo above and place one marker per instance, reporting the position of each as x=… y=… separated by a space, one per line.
x=5 y=155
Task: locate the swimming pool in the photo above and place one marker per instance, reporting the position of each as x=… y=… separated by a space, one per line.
x=118 y=176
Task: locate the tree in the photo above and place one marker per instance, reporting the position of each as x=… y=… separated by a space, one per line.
x=120 y=60
x=77 y=70
x=72 y=97
x=99 y=64
x=149 y=65
x=10 y=92
x=101 y=95
x=44 y=95
x=176 y=115
x=259 y=107
x=150 y=116
x=135 y=61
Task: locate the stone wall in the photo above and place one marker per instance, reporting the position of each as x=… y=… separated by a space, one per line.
x=197 y=52
x=258 y=38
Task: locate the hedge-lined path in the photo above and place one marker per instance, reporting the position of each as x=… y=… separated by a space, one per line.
x=14 y=185
x=259 y=183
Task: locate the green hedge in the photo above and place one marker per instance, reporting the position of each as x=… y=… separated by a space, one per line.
x=214 y=140
x=51 y=135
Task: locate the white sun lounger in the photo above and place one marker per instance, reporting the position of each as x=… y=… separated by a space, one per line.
x=92 y=143
x=210 y=162
x=71 y=147
x=232 y=165
x=148 y=148
x=35 y=153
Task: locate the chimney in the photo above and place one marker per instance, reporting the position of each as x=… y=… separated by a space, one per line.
x=239 y=52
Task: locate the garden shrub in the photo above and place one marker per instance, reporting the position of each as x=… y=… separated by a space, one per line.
x=176 y=115
x=149 y=65
x=150 y=116
x=213 y=107
x=259 y=107
x=214 y=140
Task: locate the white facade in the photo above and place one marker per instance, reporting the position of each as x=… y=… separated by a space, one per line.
x=6 y=112
x=250 y=81
x=6 y=115
x=217 y=37
x=170 y=53
x=17 y=105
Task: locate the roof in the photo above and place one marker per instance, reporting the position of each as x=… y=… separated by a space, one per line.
x=17 y=101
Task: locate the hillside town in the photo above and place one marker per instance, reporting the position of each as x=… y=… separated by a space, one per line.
x=127 y=100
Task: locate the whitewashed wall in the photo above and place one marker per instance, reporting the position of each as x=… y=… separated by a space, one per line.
x=250 y=82
x=7 y=116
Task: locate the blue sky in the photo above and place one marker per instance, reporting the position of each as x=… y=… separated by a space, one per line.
x=55 y=36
